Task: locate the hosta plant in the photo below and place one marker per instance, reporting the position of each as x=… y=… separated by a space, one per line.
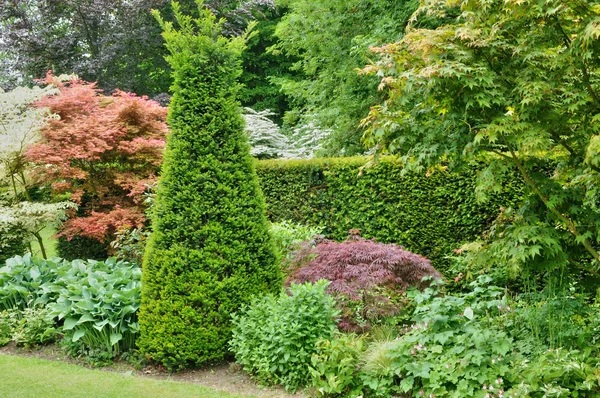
x=27 y=281
x=97 y=303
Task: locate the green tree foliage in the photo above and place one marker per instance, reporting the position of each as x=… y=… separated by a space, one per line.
x=329 y=39
x=115 y=43
x=516 y=83
x=210 y=250
x=20 y=125
x=261 y=67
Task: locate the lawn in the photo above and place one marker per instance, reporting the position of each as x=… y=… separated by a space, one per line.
x=49 y=243
x=32 y=377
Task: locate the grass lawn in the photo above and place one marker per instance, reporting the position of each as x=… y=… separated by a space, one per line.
x=49 y=243
x=38 y=378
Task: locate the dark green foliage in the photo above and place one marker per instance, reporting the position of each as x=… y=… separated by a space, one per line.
x=327 y=40
x=260 y=67
x=275 y=337
x=210 y=250
x=431 y=213
x=81 y=247
x=12 y=245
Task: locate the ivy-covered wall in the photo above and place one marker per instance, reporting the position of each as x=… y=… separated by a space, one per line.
x=431 y=213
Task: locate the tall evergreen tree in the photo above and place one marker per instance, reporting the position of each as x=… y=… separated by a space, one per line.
x=210 y=249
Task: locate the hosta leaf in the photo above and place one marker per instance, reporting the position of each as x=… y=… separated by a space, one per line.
x=70 y=323
x=469 y=313
x=100 y=325
x=35 y=273
x=78 y=334
x=85 y=318
x=115 y=338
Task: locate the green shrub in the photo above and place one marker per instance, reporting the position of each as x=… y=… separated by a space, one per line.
x=288 y=235
x=12 y=242
x=95 y=302
x=335 y=366
x=452 y=350
x=25 y=281
x=557 y=373
x=210 y=250
x=429 y=213
x=33 y=326
x=81 y=247
x=129 y=244
x=6 y=328
x=275 y=337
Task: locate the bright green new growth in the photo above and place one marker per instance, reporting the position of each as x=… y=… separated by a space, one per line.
x=210 y=250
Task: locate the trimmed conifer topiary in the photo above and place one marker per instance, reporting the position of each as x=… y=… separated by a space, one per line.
x=210 y=249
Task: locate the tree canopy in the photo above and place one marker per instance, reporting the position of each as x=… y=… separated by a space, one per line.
x=515 y=84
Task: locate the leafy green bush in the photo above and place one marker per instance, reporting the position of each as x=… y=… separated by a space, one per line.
x=26 y=281
x=95 y=302
x=275 y=337
x=129 y=245
x=288 y=235
x=12 y=242
x=210 y=250
x=452 y=350
x=430 y=213
x=33 y=326
x=6 y=328
x=98 y=303
x=335 y=365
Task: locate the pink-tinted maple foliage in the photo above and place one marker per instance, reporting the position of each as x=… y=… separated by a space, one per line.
x=367 y=278
x=103 y=151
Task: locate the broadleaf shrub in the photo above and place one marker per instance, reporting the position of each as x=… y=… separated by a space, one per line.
x=275 y=337
x=210 y=250
x=289 y=236
x=452 y=350
x=98 y=303
x=431 y=213
x=367 y=278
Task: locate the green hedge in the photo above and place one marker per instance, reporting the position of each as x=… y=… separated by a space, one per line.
x=428 y=213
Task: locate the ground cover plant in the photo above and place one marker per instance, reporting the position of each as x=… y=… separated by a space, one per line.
x=92 y=305
x=210 y=250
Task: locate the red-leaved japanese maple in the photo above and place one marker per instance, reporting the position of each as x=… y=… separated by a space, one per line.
x=367 y=278
x=101 y=150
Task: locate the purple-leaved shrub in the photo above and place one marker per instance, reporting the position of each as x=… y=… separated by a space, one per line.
x=368 y=278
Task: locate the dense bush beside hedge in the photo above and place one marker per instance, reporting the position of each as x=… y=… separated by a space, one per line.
x=275 y=337
x=431 y=213
x=210 y=250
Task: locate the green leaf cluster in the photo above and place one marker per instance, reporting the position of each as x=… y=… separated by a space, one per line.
x=210 y=250
x=452 y=350
x=275 y=336
x=513 y=83
x=327 y=40
x=93 y=302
